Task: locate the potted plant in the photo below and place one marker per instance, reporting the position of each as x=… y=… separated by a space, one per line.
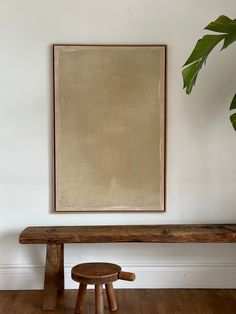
x=226 y=33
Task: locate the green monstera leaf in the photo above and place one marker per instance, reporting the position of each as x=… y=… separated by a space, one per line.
x=227 y=29
x=233 y=116
x=198 y=57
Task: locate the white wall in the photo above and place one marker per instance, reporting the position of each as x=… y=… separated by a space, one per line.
x=201 y=167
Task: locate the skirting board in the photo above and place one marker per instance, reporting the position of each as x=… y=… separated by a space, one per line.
x=217 y=275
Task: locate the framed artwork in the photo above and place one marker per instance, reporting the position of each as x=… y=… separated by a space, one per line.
x=109 y=127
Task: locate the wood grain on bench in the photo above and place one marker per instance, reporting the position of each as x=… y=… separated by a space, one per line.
x=204 y=233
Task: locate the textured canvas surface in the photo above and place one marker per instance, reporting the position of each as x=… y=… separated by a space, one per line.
x=109 y=127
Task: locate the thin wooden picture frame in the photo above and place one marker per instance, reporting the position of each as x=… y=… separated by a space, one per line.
x=104 y=161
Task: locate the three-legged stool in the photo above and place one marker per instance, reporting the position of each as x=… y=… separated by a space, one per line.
x=98 y=274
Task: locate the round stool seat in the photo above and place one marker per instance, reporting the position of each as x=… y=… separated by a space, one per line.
x=95 y=273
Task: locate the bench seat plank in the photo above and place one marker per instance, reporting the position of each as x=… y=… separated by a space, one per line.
x=195 y=233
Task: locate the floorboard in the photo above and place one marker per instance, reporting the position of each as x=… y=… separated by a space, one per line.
x=148 y=301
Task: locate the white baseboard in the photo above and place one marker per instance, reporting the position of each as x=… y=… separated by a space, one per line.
x=217 y=275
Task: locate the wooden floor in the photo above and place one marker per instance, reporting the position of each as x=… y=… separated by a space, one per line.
x=151 y=301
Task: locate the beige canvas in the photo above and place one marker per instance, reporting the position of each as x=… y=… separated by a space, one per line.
x=109 y=128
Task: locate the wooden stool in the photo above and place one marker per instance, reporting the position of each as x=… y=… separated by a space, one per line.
x=98 y=274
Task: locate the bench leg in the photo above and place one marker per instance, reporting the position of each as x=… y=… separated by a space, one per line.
x=54 y=275
x=60 y=275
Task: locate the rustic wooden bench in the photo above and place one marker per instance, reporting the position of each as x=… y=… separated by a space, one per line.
x=56 y=237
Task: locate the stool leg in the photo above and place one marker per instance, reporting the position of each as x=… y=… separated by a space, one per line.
x=99 y=299
x=80 y=298
x=111 y=297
